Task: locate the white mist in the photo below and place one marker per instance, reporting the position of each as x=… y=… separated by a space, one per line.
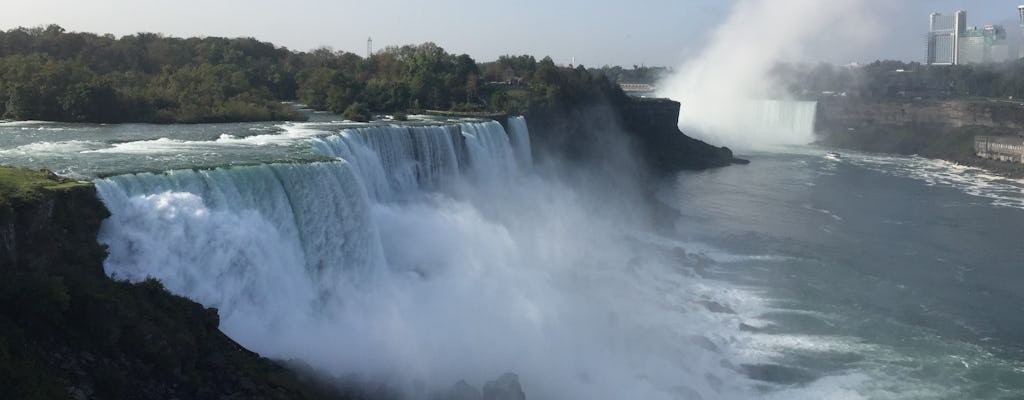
x=726 y=90
x=421 y=282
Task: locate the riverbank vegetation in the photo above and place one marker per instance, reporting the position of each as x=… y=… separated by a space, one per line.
x=47 y=73
x=897 y=79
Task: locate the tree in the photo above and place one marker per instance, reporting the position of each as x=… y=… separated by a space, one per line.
x=357 y=112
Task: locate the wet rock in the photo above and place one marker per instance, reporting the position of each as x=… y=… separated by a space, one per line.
x=687 y=393
x=704 y=343
x=77 y=394
x=716 y=307
x=460 y=391
x=504 y=388
x=715 y=382
x=778 y=374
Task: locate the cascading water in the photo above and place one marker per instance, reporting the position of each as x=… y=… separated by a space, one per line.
x=789 y=118
x=748 y=124
x=394 y=161
x=427 y=254
x=243 y=239
x=520 y=137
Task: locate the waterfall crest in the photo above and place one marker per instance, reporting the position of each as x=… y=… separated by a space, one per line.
x=749 y=124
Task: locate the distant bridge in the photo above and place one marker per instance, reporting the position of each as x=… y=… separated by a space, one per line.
x=637 y=87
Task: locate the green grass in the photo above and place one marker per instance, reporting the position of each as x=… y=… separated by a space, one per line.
x=21 y=185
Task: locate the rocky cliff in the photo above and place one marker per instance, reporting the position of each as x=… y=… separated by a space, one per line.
x=655 y=124
x=934 y=129
x=646 y=129
x=846 y=113
x=68 y=331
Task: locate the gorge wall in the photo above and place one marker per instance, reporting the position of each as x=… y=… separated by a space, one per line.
x=934 y=129
x=845 y=113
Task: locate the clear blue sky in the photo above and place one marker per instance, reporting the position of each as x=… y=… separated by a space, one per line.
x=595 y=32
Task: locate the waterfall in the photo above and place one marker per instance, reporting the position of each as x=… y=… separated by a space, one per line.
x=244 y=238
x=275 y=245
x=748 y=124
x=786 y=118
x=520 y=138
x=396 y=160
x=490 y=151
x=424 y=255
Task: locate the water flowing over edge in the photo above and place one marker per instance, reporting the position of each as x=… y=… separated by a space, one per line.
x=432 y=254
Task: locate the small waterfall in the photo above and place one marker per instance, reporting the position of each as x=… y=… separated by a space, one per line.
x=520 y=138
x=490 y=151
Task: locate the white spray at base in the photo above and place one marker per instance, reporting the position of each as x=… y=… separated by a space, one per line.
x=725 y=89
x=426 y=255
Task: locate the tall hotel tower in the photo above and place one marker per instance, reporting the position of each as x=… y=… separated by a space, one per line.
x=944 y=37
x=1020 y=14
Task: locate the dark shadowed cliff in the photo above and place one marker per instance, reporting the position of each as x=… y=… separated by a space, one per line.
x=69 y=332
x=595 y=133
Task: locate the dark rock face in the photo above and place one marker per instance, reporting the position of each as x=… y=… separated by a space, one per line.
x=857 y=113
x=505 y=387
x=655 y=123
x=460 y=391
x=600 y=133
x=68 y=331
x=934 y=129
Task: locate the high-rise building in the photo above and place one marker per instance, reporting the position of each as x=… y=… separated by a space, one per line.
x=1020 y=15
x=951 y=42
x=943 y=37
x=986 y=45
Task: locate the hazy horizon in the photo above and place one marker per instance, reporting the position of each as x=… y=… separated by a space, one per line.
x=659 y=33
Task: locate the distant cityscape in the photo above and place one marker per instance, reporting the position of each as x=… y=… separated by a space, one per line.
x=952 y=42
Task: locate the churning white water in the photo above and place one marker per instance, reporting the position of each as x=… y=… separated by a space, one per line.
x=429 y=254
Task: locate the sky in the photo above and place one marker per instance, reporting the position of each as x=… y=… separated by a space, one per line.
x=591 y=32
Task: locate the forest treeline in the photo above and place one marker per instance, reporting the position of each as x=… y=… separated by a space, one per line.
x=896 y=79
x=47 y=73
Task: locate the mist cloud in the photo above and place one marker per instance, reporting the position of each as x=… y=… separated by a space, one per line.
x=723 y=90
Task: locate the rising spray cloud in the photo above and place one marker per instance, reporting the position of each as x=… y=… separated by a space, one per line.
x=724 y=90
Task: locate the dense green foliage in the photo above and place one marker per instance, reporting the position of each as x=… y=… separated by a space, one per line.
x=893 y=79
x=27 y=185
x=49 y=74
x=543 y=86
x=638 y=74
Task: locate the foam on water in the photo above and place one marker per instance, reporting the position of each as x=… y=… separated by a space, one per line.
x=1000 y=191
x=63 y=147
